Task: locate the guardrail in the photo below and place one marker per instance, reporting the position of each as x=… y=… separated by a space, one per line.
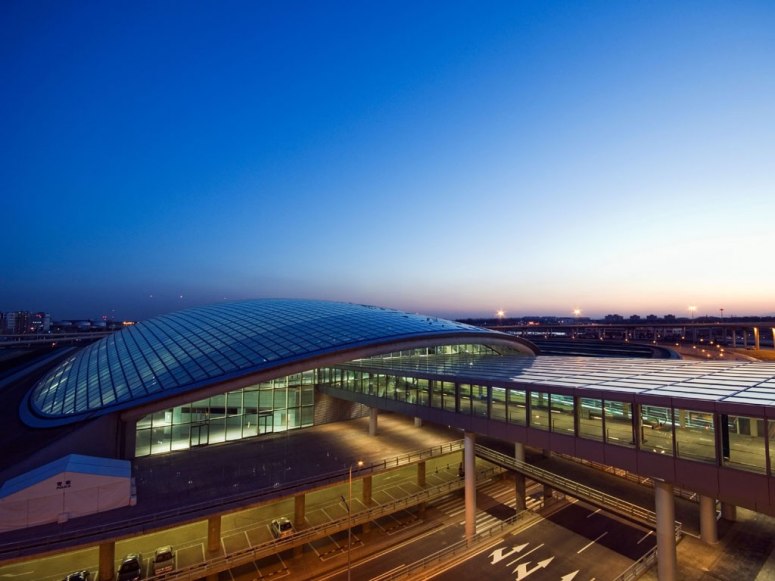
x=149 y=522
x=458 y=549
x=242 y=556
x=627 y=475
x=647 y=561
x=601 y=499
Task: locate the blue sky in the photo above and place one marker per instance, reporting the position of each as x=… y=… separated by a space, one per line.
x=447 y=158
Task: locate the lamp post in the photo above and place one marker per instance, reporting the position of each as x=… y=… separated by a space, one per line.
x=349 y=516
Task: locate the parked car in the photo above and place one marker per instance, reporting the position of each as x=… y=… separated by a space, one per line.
x=131 y=568
x=78 y=576
x=281 y=528
x=163 y=560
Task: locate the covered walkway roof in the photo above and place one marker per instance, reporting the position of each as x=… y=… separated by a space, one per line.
x=734 y=382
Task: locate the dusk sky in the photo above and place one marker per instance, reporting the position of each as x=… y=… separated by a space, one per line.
x=449 y=158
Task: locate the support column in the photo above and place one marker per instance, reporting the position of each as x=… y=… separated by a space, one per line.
x=756 y=338
x=417 y=422
x=421 y=473
x=469 y=463
x=107 y=560
x=728 y=512
x=519 y=451
x=366 y=499
x=773 y=336
x=373 y=413
x=667 y=559
x=213 y=535
x=520 y=488
x=708 y=528
x=548 y=495
x=734 y=337
x=299 y=506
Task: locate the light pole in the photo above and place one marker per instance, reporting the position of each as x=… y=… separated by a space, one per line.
x=349 y=516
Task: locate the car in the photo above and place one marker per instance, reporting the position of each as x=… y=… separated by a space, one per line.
x=163 y=560
x=281 y=528
x=78 y=576
x=131 y=568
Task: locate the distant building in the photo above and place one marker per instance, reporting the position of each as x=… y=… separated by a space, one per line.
x=40 y=323
x=17 y=323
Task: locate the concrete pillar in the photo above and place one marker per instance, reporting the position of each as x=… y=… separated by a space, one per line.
x=520 y=488
x=469 y=464
x=548 y=494
x=366 y=499
x=421 y=473
x=756 y=338
x=667 y=559
x=213 y=535
x=366 y=490
x=728 y=512
x=107 y=558
x=773 y=336
x=708 y=528
x=734 y=337
x=299 y=502
x=519 y=451
x=417 y=422
x=373 y=413
x=299 y=505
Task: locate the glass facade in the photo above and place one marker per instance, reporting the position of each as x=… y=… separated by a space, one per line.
x=683 y=433
x=656 y=429
x=286 y=403
x=744 y=442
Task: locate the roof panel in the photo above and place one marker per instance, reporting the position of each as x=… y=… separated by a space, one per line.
x=204 y=345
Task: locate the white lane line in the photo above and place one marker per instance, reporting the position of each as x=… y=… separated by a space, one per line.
x=644 y=537
x=591 y=543
x=594 y=513
x=525 y=555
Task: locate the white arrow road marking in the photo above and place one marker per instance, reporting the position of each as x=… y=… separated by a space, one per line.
x=525 y=555
x=569 y=576
x=522 y=571
x=591 y=543
x=498 y=554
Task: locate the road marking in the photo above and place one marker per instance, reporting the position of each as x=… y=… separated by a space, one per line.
x=522 y=571
x=591 y=543
x=644 y=537
x=594 y=513
x=525 y=555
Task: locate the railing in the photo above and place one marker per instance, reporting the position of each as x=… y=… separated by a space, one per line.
x=145 y=523
x=458 y=549
x=240 y=557
x=601 y=499
x=647 y=561
x=627 y=475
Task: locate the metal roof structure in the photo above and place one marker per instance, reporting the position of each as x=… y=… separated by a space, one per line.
x=202 y=346
x=734 y=382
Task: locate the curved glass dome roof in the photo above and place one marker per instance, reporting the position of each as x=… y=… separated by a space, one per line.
x=206 y=345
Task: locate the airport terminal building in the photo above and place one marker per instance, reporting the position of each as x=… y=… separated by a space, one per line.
x=232 y=371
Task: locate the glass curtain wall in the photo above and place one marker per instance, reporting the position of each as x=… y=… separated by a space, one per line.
x=282 y=404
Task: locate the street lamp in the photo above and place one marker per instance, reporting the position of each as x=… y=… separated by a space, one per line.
x=349 y=516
